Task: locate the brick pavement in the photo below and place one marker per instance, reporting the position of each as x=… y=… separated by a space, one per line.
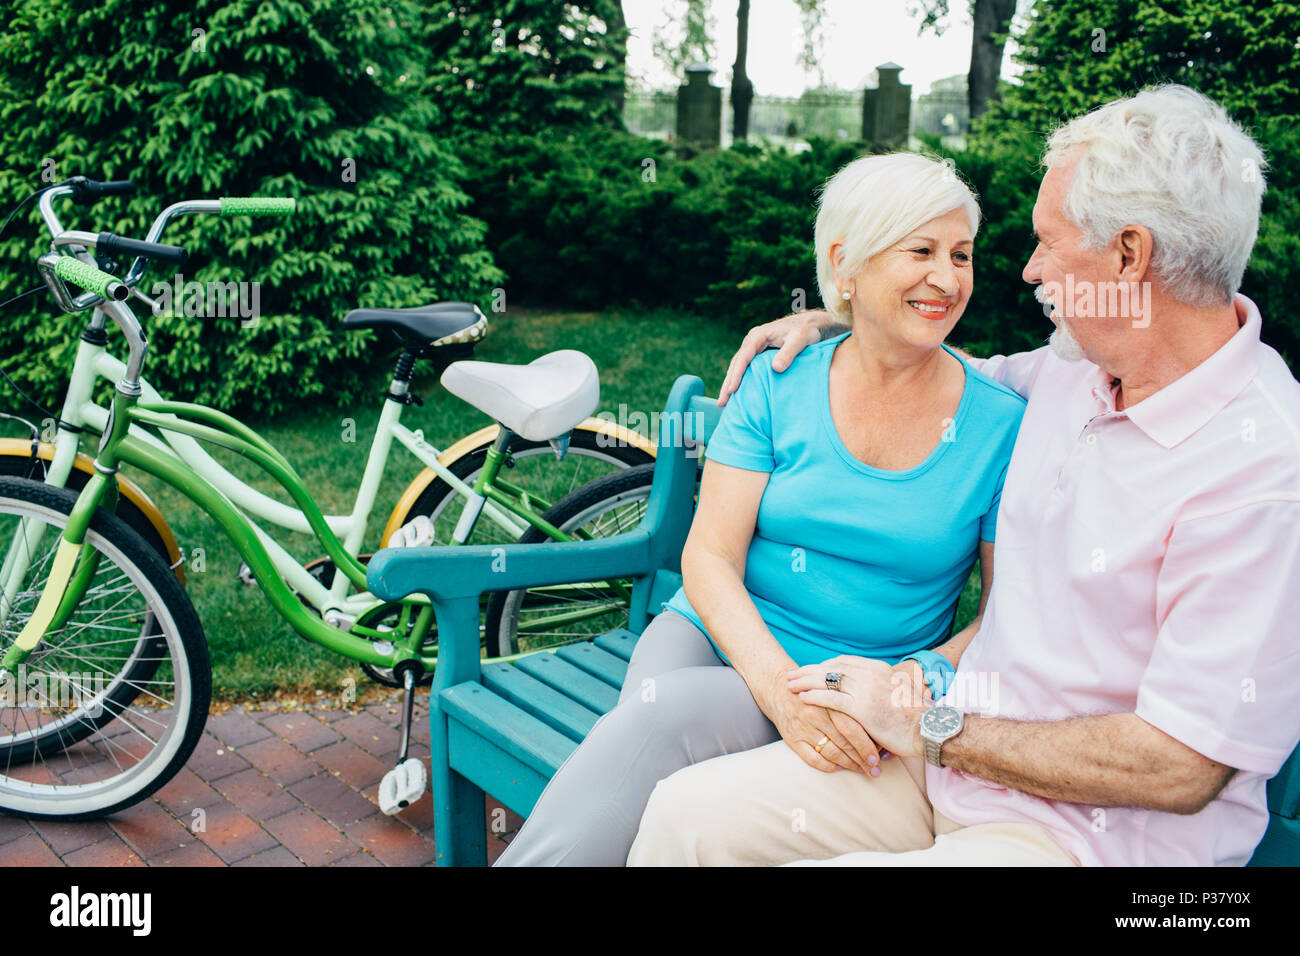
x=264 y=788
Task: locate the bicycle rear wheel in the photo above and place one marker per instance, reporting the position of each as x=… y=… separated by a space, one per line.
x=532 y=466
x=590 y=455
x=533 y=618
x=108 y=707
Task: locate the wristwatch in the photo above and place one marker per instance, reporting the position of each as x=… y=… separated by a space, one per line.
x=939 y=724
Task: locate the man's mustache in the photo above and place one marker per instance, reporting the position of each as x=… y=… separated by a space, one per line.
x=1044 y=298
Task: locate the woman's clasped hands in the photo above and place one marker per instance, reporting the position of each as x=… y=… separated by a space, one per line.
x=825 y=721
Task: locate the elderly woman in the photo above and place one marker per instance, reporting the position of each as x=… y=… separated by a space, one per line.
x=842 y=506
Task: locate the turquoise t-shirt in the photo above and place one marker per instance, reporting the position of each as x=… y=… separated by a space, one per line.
x=847 y=558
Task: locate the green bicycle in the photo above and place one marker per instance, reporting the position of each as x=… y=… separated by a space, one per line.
x=104 y=674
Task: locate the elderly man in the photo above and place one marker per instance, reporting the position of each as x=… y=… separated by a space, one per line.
x=1138 y=664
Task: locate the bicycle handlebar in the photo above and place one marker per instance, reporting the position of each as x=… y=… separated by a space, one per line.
x=88 y=277
x=86 y=191
x=99 y=285
x=119 y=246
x=256 y=206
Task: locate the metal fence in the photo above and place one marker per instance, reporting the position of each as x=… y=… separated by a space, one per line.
x=942 y=112
x=806 y=116
x=650 y=114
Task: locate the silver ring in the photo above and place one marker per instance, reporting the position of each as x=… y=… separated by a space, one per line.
x=833 y=680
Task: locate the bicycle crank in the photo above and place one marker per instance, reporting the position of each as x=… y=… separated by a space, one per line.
x=405 y=783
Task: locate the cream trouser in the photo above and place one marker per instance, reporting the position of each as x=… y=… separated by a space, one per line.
x=766 y=806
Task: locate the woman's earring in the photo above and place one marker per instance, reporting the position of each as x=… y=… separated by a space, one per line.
x=846 y=296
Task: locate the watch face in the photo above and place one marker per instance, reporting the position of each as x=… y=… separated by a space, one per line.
x=940 y=722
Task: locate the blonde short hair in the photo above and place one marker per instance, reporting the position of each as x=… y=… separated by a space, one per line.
x=876 y=201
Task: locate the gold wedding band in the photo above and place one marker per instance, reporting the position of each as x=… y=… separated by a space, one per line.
x=822 y=743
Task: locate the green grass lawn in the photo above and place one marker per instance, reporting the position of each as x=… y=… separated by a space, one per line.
x=255 y=655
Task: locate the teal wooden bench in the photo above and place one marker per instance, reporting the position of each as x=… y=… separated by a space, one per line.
x=504 y=729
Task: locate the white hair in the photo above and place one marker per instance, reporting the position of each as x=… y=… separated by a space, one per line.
x=1171 y=160
x=876 y=201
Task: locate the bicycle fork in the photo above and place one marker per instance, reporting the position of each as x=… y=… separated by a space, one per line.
x=70 y=572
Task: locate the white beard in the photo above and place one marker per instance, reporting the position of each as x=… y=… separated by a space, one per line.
x=1064 y=345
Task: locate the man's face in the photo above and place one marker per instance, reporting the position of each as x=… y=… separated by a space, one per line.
x=1060 y=254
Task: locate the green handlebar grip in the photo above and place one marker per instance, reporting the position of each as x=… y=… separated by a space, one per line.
x=89 y=278
x=235 y=206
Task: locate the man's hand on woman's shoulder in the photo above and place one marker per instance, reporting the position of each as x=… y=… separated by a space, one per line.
x=791 y=335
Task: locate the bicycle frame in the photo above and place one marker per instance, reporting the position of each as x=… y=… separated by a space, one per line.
x=513 y=511
x=176 y=457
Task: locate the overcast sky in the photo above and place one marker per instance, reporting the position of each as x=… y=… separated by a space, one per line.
x=860 y=35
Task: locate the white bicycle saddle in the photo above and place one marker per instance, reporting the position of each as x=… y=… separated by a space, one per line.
x=539 y=401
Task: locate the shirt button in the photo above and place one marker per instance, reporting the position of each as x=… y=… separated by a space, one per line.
x=1091 y=439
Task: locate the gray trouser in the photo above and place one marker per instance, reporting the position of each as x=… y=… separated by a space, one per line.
x=680 y=704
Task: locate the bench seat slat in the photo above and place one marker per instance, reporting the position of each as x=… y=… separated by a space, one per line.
x=541 y=701
x=596 y=662
x=505 y=726
x=620 y=643
x=590 y=692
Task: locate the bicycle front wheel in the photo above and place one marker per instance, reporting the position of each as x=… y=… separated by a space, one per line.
x=109 y=706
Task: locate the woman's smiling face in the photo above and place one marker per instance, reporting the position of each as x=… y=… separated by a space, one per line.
x=915 y=291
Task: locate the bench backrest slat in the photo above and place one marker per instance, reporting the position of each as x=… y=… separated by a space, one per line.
x=688 y=419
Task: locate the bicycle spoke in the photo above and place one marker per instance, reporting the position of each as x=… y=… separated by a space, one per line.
x=97 y=697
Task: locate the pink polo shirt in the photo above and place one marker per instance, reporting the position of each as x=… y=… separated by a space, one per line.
x=1147 y=561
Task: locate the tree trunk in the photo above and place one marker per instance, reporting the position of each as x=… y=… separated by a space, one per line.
x=618 y=32
x=742 y=90
x=991 y=16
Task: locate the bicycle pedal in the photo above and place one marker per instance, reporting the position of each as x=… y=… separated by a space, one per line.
x=416 y=533
x=402 y=786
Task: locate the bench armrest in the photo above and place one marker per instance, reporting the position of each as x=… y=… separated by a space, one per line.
x=446 y=573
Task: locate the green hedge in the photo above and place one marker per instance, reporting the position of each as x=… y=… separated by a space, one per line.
x=575 y=219
x=266 y=99
x=277 y=97
x=600 y=218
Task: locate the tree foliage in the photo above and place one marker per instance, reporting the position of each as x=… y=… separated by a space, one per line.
x=812 y=19
x=1077 y=54
x=1080 y=54
x=524 y=65
x=237 y=97
x=684 y=36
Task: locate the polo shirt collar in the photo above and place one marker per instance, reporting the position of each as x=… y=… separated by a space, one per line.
x=1178 y=410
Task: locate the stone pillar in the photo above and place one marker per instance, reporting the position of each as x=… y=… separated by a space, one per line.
x=699 y=108
x=887 y=110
